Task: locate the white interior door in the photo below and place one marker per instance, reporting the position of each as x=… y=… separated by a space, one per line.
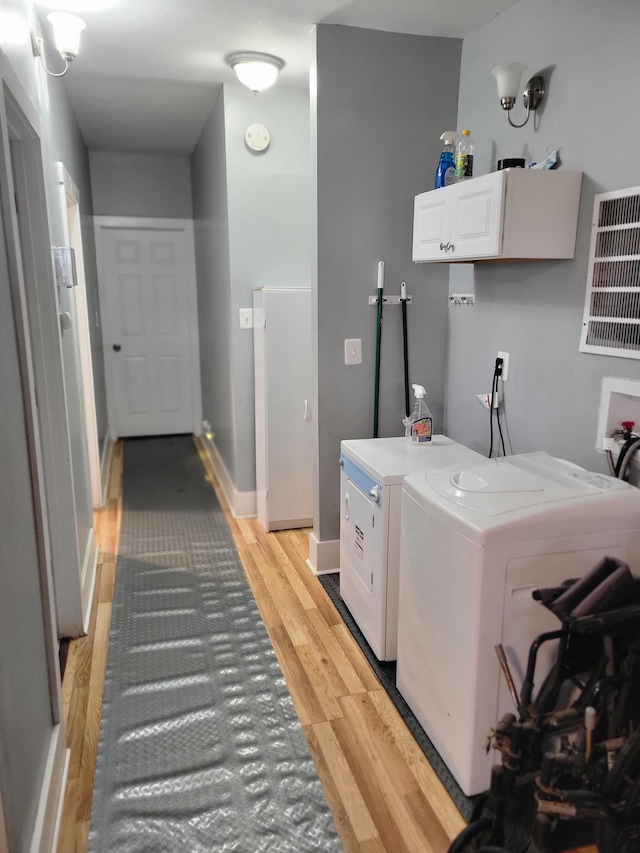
x=60 y=408
x=150 y=328
x=70 y=207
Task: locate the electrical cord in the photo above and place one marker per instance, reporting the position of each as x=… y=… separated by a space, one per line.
x=497 y=373
x=504 y=452
x=631 y=447
x=631 y=438
x=491 y=419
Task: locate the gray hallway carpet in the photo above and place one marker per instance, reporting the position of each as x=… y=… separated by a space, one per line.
x=200 y=748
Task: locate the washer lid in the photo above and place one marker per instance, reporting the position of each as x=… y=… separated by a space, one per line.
x=389 y=460
x=495 y=479
x=514 y=483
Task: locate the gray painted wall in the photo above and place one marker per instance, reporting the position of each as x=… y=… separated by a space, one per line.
x=209 y=179
x=383 y=100
x=258 y=206
x=534 y=310
x=25 y=707
x=152 y=185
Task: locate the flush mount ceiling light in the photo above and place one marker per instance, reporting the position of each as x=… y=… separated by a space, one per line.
x=508 y=79
x=66 y=35
x=258 y=71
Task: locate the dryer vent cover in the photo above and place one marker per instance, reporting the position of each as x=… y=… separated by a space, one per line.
x=611 y=323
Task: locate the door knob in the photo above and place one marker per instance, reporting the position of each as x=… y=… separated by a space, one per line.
x=117 y=347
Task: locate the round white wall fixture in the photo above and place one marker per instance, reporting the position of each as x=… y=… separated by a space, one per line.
x=257 y=138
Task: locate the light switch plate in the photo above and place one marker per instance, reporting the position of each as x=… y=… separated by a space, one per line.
x=246 y=318
x=353 y=351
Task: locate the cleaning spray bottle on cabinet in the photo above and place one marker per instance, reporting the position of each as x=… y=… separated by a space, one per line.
x=446 y=171
x=421 y=422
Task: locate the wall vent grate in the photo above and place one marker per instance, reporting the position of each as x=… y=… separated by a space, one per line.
x=611 y=322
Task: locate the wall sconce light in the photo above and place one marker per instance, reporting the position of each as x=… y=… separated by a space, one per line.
x=258 y=71
x=508 y=79
x=66 y=35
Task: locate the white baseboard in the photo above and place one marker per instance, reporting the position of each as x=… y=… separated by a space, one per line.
x=241 y=504
x=105 y=464
x=54 y=783
x=324 y=557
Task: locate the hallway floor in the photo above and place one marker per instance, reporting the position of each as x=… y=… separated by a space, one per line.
x=382 y=792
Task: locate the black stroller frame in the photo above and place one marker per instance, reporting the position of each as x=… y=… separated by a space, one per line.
x=572 y=753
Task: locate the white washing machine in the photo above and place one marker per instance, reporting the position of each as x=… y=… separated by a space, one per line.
x=370 y=490
x=476 y=541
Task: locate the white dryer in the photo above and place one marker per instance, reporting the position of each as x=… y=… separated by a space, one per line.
x=476 y=541
x=370 y=491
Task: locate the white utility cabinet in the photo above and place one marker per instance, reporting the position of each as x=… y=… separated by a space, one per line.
x=511 y=214
x=284 y=424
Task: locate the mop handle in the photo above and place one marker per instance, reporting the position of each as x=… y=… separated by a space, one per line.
x=378 y=348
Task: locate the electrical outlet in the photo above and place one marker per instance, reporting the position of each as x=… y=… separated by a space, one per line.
x=505 y=365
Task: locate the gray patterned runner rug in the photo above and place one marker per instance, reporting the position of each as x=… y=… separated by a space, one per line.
x=200 y=748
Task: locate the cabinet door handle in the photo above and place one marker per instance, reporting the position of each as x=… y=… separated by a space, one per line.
x=443 y=247
x=452 y=247
x=346 y=507
x=374 y=491
x=307 y=413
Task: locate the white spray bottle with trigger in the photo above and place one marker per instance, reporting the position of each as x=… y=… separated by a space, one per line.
x=421 y=421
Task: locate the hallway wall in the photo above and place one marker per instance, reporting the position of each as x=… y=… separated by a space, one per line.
x=146 y=185
x=252 y=218
x=211 y=224
x=533 y=310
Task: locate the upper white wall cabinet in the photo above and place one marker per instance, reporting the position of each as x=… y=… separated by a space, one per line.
x=511 y=214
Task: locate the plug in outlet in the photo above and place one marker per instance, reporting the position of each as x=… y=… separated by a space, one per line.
x=485 y=400
x=505 y=365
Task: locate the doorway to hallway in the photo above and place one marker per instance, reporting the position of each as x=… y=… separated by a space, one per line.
x=146 y=272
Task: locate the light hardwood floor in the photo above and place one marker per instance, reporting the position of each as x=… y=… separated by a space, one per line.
x=382 y=791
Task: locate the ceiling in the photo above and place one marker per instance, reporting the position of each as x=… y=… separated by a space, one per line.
x=148 y=71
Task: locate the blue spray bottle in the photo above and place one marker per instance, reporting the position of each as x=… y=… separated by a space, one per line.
x=446 y=171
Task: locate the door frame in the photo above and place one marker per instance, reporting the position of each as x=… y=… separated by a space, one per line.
x=20 y=138
x=102 y=224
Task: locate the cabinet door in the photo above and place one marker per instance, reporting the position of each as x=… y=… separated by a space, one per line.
x=285 y=453
x=477 y=208
x=431 y=215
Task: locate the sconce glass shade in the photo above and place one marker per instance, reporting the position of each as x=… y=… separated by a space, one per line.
x=66 y=33
x=508 y=80
x=257 y=71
